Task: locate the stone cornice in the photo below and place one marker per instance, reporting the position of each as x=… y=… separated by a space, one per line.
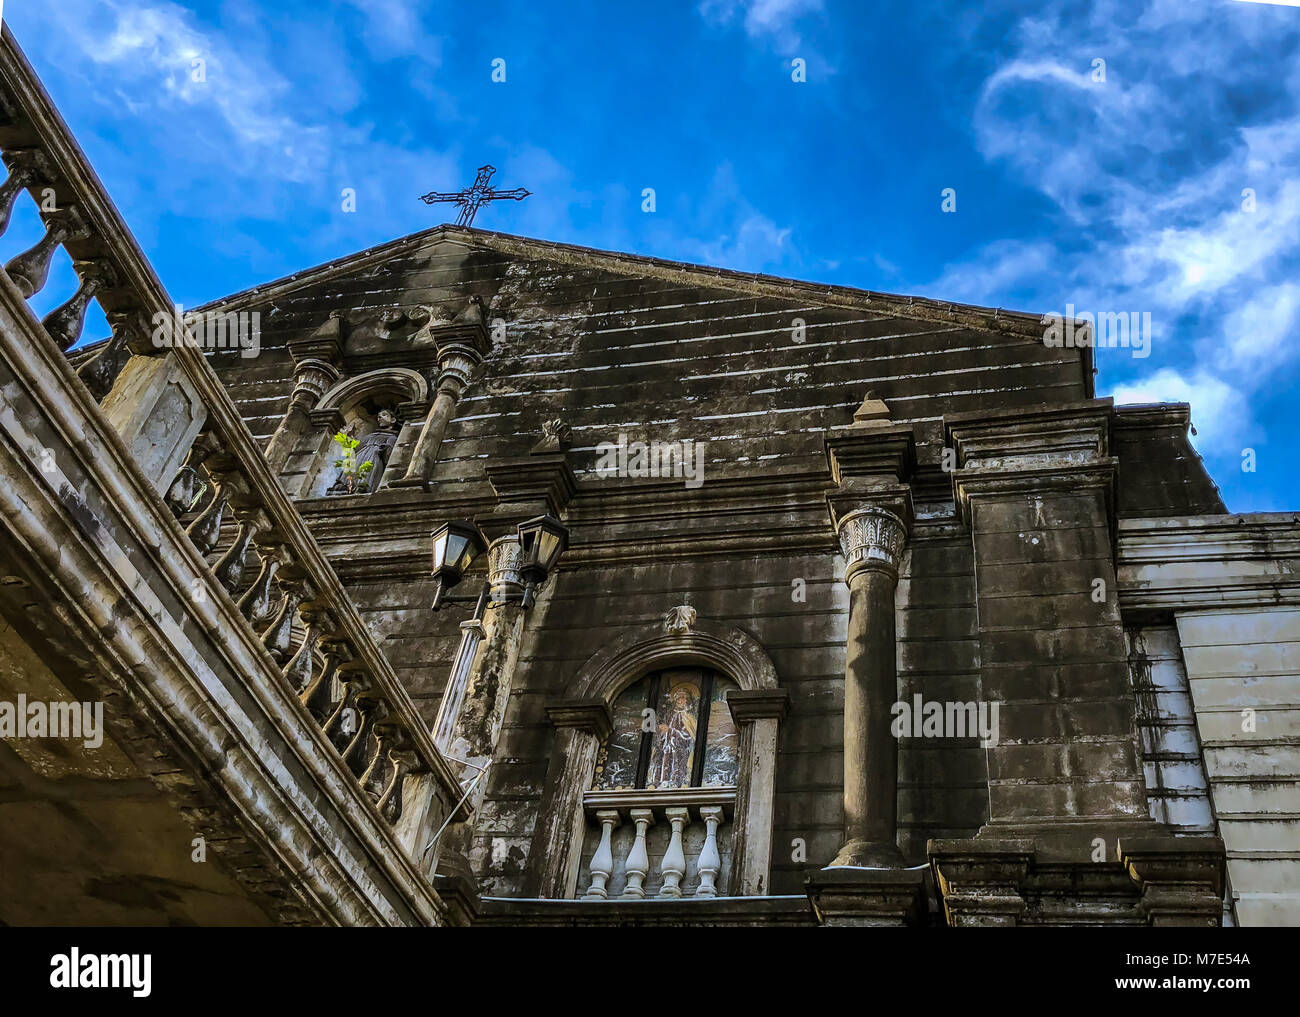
x=532 y=485
x=590 y=715
x=749 y=705
x=1167 y=564
x=873 y=450
x=1008 y=452
x=1016 y=437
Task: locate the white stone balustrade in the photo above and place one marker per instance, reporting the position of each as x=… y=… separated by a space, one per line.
x=657 y=846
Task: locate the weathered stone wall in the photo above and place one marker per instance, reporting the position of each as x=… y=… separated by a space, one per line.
x=661 y=353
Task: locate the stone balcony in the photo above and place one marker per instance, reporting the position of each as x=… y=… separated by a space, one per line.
x=261 y=763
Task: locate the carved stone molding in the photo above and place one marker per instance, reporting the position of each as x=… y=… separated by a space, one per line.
x=400 y=383
x=728 y=649
x=1039 y=450
x=591 y=715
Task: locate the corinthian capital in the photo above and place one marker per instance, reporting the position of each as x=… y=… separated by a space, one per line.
x=871 y=538
x=505 y=562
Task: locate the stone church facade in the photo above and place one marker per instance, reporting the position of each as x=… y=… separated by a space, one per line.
x=759 y=602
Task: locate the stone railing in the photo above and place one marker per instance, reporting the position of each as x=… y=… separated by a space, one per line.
x=633 y=869
x=187 y=437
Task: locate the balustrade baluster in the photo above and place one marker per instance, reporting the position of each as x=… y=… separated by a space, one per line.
x=390 y=803
x=100 y=371
x=187 y=485
x=256 y=603
x=673 y=867
x=317 y=696
x=31 y=269
x=337 y=727
x=299 y=670
x=278 y=636
x=638 y=859
x=602 y=862
x=64 y=323
x=230 y=569
x=387 y=737
x=24 y=170
x=371 y=711
x=205 y=530
x=710 y=864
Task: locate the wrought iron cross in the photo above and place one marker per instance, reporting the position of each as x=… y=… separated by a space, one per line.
x=473 y=198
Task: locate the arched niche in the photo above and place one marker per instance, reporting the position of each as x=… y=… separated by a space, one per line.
x=582 y=721
x=355 y=403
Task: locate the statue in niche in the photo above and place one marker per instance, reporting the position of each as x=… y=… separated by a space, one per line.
x=375 y=448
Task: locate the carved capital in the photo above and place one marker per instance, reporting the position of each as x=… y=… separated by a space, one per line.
x=505 y=562
x=312 y=378
x=871 y=538
x=456 y=365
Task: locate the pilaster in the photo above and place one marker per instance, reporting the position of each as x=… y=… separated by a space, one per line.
x=1037 y=489
x=555 y=856
x=758 y=714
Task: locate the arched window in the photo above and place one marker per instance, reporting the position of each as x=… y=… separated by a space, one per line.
x=671 y=729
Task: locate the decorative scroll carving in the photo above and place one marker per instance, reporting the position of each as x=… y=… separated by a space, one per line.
x=680 y=619
x=555 y=436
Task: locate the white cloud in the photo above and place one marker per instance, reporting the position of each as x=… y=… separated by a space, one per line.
x=1218 y=409
x=1147 y=170
x=774 y=21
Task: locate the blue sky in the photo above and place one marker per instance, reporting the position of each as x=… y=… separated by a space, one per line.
x=1122 y=194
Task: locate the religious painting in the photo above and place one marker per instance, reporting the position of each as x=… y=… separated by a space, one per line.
x=671 y=729
x=672 y=753
x=620 y=756
x=722 y=751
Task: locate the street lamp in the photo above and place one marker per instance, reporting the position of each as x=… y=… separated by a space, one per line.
x=455 y=545
x=541 y=542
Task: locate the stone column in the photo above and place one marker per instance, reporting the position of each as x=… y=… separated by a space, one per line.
x=555 y=856
x=315 y=361
x=872 y=540
x=870 y=462
x=456 y=363
x=312 y=378
x=757 y=714
x=477 y=726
